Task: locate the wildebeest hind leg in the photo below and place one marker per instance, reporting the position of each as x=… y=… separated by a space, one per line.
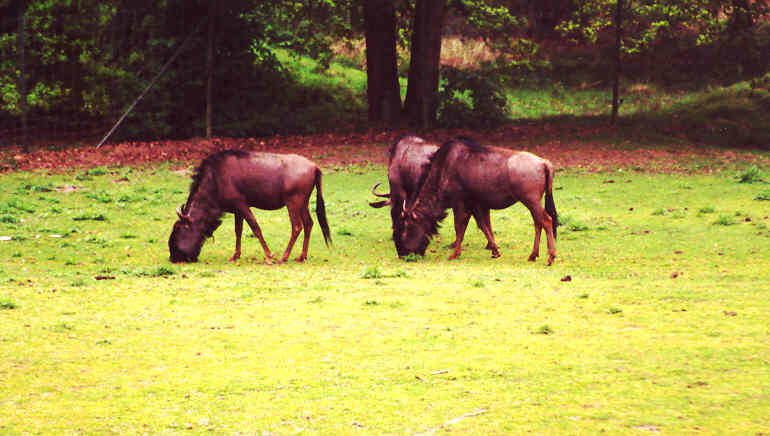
x=307 y=227
x=485 y=224
x=238 y=232
x=548 y=225
x=543 y=221
x=537 y=212
x=246 y=214
x=296 y=227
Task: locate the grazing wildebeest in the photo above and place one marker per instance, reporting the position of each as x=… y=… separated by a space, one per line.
x=234 y=180
x=408 y=162
x=470 y=179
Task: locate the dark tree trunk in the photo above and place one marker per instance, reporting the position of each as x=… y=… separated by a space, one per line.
x=741 y=19
x=547 y=14
x=383 y=91
x=21 y=40
x=741 y=30
x=210 y=67
x=422 y=90
x=616 y=79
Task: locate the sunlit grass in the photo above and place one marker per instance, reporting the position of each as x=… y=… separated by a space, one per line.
x=660 y=326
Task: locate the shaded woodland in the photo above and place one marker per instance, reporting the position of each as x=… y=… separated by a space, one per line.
x=69 y=70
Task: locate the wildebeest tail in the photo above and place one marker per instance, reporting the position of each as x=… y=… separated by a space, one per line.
x=550 y=206
x=320 y=209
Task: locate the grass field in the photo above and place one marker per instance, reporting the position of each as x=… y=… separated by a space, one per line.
x=662 y=327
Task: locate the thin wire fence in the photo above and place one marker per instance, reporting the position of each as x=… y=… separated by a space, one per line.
x=56 y=92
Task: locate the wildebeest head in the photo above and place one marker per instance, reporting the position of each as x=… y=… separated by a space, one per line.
x=186 y=238
x=415 y=231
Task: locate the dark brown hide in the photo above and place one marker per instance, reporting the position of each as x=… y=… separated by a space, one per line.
x=233 y=181
x=408 y=160
x=470 y=179
x=408 y=163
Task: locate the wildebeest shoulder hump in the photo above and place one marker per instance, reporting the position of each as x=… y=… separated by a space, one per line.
x=213 y=161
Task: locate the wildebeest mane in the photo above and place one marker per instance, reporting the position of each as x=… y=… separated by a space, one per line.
x=204 y=189
x=438 y=160
x=430 y=208
x=211 y=163
x=392 y=148
x=473 y=145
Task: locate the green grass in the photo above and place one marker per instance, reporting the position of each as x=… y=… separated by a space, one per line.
x=662 y=327
x=733 y=116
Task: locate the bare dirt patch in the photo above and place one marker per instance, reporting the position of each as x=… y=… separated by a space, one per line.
x=370 y=147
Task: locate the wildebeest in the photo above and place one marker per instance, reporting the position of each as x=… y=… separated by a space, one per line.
x=234 y=180
x=408 y=161
x=470 y=179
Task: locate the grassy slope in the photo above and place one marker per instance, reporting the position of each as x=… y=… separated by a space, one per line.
x=733 y=116
x=357 y=341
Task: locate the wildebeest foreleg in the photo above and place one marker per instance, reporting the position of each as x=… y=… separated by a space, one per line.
x=461 y=218
x=485 y=224
x=238 y=232
x=247 y=215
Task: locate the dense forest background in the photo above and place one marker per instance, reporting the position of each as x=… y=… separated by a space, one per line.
x=70 y=69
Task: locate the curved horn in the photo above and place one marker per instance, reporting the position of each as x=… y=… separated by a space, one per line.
x=374 y=191
x=182 y=216
x=379 y=204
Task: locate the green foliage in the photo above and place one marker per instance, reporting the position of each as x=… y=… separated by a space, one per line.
x=7 y=304
x=724 y=220
x=752 y=174
x=90 y=217
x=373 y=272
x=470 y=98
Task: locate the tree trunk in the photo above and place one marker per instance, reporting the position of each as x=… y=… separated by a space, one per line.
x=383 y=91
x=741 y=31
x=741 y=19
x=422 y=90
x=616 y=79
x=210 y=67
x=21 y=40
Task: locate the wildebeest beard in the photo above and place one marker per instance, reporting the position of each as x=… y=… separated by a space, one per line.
x=187 y=238
x=417 y=229
x=198 y=220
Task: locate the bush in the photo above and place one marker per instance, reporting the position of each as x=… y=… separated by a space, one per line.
x=470 y=98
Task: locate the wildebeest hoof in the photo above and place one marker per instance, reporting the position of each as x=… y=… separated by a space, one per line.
x=268 y=261
x=550 y=260
x=495 y=254
x=300 y=259
x=235 y=257
x=532 y=257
